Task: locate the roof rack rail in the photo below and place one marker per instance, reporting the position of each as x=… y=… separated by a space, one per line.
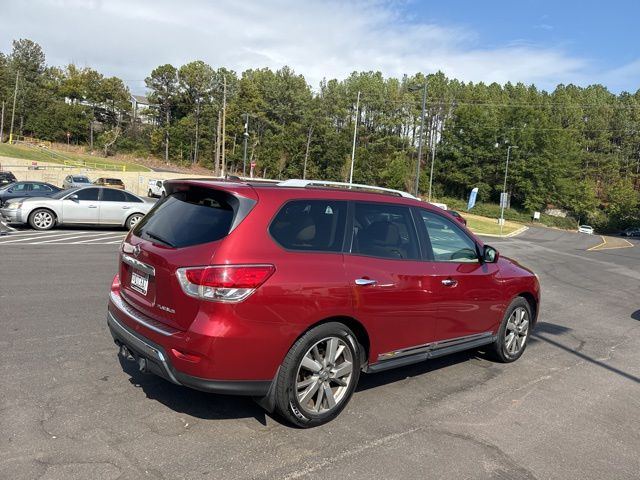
x=321 y=183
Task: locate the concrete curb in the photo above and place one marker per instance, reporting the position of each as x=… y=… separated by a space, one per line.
x=509 y=235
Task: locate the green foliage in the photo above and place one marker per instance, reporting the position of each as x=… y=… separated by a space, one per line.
x=578 y=148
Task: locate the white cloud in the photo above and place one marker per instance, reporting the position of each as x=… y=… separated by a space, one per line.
x=316 y=38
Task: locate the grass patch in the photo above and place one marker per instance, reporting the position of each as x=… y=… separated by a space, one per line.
x=489 y=226
x=38 y=154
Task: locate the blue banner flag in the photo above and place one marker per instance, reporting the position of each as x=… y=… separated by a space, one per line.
x=472 y=198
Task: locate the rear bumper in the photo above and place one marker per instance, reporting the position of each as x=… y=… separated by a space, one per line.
x=152 y=358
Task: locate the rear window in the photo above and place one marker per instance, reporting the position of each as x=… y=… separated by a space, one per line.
x=81 y=179
x=191 y=217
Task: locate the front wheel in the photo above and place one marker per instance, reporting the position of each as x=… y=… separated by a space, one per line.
x=42 y=219
x=133 y=220
x=318 y=375
x=150 y=194
x=514 y=332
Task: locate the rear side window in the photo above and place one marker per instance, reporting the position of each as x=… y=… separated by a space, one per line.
x=191 y=217
x=109 y=195
x=384 y=231
x=316 y=225
x=131 y=198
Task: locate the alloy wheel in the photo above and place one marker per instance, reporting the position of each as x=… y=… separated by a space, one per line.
x=324 y=375
x=516 y=331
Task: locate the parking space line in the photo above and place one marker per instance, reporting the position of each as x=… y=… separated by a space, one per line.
x=108 y=237
x=27 y=238
x=70 y=238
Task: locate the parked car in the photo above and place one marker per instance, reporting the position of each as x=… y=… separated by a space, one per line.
x=27 y=189
x=7 y=178
x=457 y=216
x=86 y=205
x=110 y=182
x=286 y=293
x=585 y=229
x=156 y=189
x=632 y=232
x=71 y=181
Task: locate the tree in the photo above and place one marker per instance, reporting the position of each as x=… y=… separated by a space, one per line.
x=163 y=84
x=197 y=82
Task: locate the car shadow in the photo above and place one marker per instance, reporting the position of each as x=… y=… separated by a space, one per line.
x=202 y=405
x=636 y=315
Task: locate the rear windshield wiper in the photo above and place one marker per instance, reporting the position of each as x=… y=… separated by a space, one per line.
x=155 y=236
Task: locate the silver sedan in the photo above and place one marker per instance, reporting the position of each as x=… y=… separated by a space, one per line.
x=87 y=205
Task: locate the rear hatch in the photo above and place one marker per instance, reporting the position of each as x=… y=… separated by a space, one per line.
x=184 y=229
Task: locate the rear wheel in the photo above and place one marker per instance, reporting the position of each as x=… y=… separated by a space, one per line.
x=133 y=220
x=513 y=334
x=318 y=375
x=150 y=194
x=42 y=219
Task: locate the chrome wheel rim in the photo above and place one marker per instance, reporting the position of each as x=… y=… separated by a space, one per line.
x=324 y=375
x=133 y=221
x=42 y=219
x=517 y=331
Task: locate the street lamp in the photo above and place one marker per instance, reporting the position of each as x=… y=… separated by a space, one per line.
x=246 y=137
x=503 y=200
x=424 y=103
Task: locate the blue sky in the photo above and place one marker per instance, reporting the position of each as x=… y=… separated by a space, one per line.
x=541 y=42
x=605 y=34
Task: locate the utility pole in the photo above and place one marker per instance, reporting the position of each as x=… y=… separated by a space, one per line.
x=424 y=104
x=246 y=137
x=13 y=111
x=2 y=123
x=166 y=137
x=503 y=199
x=224 y=122
x=306 y=154
x=91 y=135
x=355 y=132
x=216 y=167
x=434 y=143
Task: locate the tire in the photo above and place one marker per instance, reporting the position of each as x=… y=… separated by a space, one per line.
x=42 y=219
x=133 y=220
x=150 y=194
x=312 y=388
x=162 y=195
x=514 y=332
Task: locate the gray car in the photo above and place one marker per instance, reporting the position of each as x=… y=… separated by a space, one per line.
x=88 y=205
x=71 y=181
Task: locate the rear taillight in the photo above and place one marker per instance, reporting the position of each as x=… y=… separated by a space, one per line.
x=223 y=283
x=115 y=283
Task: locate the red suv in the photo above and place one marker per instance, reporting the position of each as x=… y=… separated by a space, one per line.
x=287 y=292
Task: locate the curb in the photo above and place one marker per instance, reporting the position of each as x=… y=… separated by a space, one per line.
x=509 y=235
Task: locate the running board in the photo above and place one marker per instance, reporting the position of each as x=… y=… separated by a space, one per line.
x=433 y=350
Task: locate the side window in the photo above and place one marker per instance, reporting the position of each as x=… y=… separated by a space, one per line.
x=40 y=188
x=110 y=195
x=131 y=198
x=384 y=231
x=87 y=194
x=448 y=242
x=316 y=225
x=21 y=187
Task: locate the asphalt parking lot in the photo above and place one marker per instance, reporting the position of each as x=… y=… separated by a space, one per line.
x=568 y=409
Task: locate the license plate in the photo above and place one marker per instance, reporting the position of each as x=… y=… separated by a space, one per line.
x=139 y=282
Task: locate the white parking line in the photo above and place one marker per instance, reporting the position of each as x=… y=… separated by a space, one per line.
x=27 y=238
x=108 y=237
x=71 y=238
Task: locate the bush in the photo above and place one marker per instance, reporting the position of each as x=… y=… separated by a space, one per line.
x=492 y=210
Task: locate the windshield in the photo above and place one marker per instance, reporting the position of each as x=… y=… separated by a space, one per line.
x=81 y=179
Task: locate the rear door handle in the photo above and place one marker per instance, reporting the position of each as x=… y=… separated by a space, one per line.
x=449 y=282
x=365 y=281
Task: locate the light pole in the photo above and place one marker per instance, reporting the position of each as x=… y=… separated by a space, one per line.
x=503 y=200
x=424 y=104
x=246 y=137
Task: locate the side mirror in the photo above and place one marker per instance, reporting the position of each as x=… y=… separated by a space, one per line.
x=72 y=197
x=490 y=254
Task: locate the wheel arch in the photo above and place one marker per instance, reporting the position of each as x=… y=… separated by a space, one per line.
x=533 y=304
x=358 y=329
